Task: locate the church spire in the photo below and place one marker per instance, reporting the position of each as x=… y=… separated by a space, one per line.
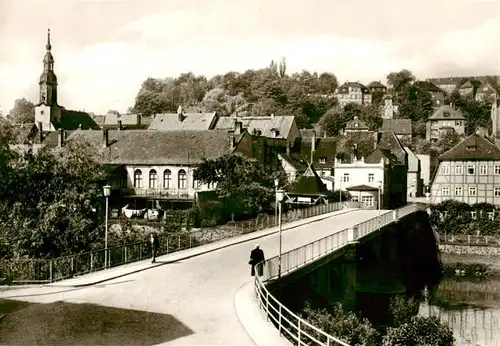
x=48 y=46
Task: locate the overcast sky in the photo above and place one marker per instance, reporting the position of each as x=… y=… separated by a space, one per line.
x=103 y=50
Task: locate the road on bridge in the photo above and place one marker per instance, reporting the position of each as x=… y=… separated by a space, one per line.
x=189 y=302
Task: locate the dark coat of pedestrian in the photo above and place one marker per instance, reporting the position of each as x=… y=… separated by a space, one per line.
x=155 y=245
x=256 y=256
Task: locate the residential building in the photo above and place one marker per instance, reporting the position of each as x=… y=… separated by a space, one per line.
x=280 y=131
x=469 y=88
x=436 y=93
x=389 y=109
x=309 y=189
x=402 y=128
x=447 y=84
x=445 y=118
x=49 y=115
x=158 y=166
x=469 y=172
x=485 y=92
x=414 y=182
x=353 y=92
x=182 y=121
x=355 y=125
x=377 y=87
x=116 y=121
x=425 y=170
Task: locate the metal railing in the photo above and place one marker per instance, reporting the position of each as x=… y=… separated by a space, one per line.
x=467 y=239
x=26 y=271
x=297 y=328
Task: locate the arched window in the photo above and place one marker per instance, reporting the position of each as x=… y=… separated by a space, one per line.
x=182 y=179
x=153 y=178
x=138 y=178
x=167 y=177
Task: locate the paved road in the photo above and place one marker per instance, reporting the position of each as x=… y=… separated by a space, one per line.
x=193 y=296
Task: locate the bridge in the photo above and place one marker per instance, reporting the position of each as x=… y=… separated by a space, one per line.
x=200 y=296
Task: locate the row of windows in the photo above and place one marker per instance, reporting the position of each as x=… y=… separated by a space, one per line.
x=445 y=191
x=345 y=178
x=167 y=179
x=473 y=214
x=471 y=169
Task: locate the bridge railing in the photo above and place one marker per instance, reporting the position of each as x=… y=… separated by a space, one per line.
x=287 y=322
x=39 y=271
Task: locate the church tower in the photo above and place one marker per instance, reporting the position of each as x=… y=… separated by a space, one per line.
x=47 y=111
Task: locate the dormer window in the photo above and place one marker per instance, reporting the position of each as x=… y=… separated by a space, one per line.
x=471 y=148
x=322 y=160
x=356 y=125
x=446 y=114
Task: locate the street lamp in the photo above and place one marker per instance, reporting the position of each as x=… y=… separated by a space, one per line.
x=107 y=193
x=379 y=188
x=276 y=183
x=280 y=195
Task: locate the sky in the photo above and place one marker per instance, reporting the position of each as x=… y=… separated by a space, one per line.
x=104 y=50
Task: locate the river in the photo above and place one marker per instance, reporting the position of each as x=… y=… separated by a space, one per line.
x=468 y=299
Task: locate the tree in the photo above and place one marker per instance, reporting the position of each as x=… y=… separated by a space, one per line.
x=448 y=140
x=242 y=183
x=49 y=201
x=282 y=67
x=333 y=121
x=372 y=116
x=23 y=112
x=398 y=81
x=221 y=101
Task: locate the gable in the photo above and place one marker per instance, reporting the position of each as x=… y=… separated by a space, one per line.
x=472 y=148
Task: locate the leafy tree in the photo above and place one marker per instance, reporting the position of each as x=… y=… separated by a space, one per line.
x=448 y=140
x=23 y=112
x=48 y=201
x=477 y=114
x=420 y=331
x=372 y=116
x=415 y=104
x=242 y=184
x=221 y=101
x=333 y=121
x=398 y=81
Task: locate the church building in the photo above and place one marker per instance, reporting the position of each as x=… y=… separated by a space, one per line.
x=49 y=115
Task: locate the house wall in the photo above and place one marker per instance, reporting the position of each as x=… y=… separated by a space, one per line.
x=425 y=168
x=357 y=173
x=369 y=198
x=433 y=131
x=482 y=185
x=45 y=114
x=290 y=171
x=413 y=184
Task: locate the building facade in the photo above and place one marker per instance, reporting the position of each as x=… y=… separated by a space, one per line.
x=445 y=118
x=469 y=172
x=353 y=92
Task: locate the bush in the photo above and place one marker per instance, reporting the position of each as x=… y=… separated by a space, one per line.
x=419 y=331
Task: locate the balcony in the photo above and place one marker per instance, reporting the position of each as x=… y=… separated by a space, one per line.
x=172 y=194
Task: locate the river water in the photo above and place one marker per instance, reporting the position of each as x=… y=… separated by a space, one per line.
x=468 y=299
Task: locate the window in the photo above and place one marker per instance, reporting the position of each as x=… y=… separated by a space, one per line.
x=483 y=170
x=458 y=123
x=471 y=169
x=472 y=191
x=473 y=215
x=471 y=148
x=497 y=170
x=491 y=215
x=458 y=191
x=445 y=169
x=322 y=174
x=167 y=177
x=497 y=191
x=445 y=191
x=346 y=177
x=367 y=200
x=355 y=198
x=138 y=178
x=459 y=170
x=371 y=177
x=322 y=160
x=153 y=178
x=182 y=179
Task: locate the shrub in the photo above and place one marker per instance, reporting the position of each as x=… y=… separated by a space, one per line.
x=419 y=331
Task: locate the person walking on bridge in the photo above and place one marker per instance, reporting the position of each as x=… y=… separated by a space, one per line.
x=256 y=256
x=155 y=244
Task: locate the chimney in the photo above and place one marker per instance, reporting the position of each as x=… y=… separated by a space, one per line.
x=180 y=113
x=313 y=145
x=355 y=151
x=105 y=138
x=40 y=131
x=120 y=125
x=375 y=140
x=238 y=127
x=288 y=145
x=272 y=115
x=60 y=138
x=138 y=121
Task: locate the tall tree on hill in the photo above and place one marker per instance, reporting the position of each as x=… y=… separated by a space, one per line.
x=23 y=112
x=398 y=81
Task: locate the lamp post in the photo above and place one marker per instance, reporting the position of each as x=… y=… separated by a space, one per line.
x=276 y=183
x=280 y=194
x=107 y=193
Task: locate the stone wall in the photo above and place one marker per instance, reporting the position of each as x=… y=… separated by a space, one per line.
x=483 y=250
